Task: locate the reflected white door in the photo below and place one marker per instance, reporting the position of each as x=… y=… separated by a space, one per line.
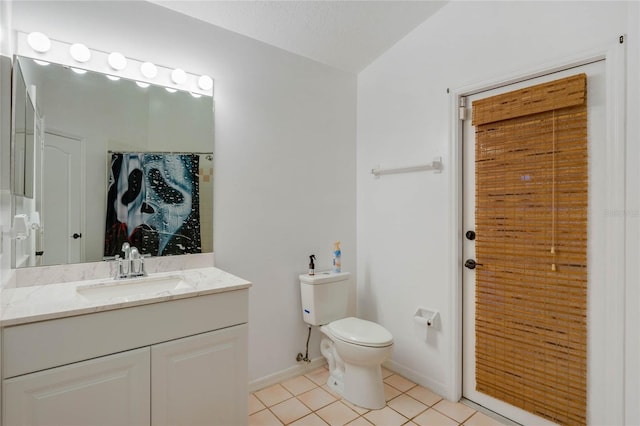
x=596 y=132
x=61 y=200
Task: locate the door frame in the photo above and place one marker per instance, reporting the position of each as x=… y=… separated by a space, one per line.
x=605 y=392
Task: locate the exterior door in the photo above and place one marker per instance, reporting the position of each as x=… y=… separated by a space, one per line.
x=596 y=132
x=62 y=200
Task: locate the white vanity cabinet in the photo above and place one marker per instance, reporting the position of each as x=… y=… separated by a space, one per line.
x=195 y=380
x=111 y=390
x=179 y=362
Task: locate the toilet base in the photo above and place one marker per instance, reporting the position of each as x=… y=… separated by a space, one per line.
x=336 y=385
x=363 y=386
x=355 y=371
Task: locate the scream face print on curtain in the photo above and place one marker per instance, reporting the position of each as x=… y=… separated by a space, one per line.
x=153 y=203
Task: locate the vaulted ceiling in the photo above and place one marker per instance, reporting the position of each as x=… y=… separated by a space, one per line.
x=347 y=35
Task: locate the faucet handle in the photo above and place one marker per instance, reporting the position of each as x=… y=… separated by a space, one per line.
x=137 y=262
x=142 y=271
x=118 y=263
x=126 y=249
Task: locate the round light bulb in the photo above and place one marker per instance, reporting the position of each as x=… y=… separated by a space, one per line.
x=113 y=77
x=141 y=84
x=78 y=70
x=178 y=76
x=80 y=52
x=117 y=61
x=39 y=42
x=205 y=82
x=170 y=90
x=195 y=95
x=149 y=70
x=40 y=62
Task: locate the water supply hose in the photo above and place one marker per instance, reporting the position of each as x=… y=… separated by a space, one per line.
x=306 y=355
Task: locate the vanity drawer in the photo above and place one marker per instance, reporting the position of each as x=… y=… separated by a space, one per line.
x=42 y=345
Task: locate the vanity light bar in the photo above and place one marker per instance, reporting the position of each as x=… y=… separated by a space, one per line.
x=112 y=64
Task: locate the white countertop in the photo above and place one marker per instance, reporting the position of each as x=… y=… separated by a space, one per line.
x=45 y=302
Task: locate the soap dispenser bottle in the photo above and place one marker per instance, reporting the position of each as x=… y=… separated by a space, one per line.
x=312 y=266
x=337 y=262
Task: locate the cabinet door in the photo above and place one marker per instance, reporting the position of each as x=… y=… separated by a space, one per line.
x=201 y=380
x=111 y=390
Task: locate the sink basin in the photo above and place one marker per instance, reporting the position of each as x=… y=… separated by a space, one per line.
x=134 y=287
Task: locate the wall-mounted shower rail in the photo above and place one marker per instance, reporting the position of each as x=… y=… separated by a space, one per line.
x=435 y=165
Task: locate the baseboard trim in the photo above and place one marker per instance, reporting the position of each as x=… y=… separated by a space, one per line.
x=304 y=368
x=417 y=378
x=296 y=370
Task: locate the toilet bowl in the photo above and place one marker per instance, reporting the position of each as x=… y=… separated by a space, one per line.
x=355 y=349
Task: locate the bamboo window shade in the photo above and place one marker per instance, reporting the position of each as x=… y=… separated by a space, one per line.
x=531 y=226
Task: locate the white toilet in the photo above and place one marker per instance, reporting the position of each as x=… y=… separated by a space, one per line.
x=354 y=348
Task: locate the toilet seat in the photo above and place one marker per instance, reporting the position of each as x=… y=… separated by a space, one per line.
x=360 y=332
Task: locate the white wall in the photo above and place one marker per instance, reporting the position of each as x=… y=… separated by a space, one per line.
x=284 y=152
x=632 y=355
x=404 y=244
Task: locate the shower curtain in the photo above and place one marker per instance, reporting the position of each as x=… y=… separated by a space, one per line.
x=153 y=203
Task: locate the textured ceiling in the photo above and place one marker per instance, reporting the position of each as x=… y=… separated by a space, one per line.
x=347 y=35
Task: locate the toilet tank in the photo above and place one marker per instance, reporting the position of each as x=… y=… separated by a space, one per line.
x=324 y=296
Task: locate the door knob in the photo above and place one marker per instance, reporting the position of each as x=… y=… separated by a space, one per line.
x=471 y=235
x=471 y=264
x=76 y=236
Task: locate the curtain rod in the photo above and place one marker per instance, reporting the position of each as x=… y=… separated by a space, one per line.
x=159 y=152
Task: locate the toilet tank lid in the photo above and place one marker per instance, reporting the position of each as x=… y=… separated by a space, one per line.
x=324 y=277
x=360 y=332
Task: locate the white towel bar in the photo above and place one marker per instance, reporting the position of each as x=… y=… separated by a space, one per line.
x=436 y=166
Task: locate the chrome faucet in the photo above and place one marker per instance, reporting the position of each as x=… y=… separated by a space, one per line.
x=132 y=265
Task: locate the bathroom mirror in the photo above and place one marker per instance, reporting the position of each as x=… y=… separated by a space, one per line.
x=87 y=123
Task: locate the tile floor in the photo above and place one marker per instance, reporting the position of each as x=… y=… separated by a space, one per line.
x=307 y=401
